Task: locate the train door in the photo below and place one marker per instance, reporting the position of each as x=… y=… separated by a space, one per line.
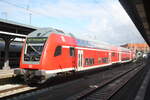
x=80 y=59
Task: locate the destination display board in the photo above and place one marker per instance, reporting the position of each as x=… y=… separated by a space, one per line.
x=36 y=39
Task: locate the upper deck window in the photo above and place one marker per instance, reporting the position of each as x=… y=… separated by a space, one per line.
x=58 y=51
x=42 y=32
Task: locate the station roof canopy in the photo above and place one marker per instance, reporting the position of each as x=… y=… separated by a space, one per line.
x=139 y=12
x=11 y=28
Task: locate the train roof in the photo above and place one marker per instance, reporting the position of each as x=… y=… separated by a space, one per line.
x=45 y=32
x=124 y=49
x=92 y=44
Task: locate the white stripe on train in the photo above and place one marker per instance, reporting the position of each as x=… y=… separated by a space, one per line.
x=92 y=49
x=81 y=68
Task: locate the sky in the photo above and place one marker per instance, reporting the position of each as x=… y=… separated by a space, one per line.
x=101 y=20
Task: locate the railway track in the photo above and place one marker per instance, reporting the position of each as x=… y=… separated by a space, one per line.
x=77 y=85
x=105 y=90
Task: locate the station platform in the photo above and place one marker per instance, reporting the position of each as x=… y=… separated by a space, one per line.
x=144 y=89
x=7 y=73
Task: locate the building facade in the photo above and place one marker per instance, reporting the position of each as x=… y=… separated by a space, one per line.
x=143 y=47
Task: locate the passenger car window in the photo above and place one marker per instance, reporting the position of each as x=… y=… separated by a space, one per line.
x=86 y=61
x=105 y=60
x=99 y=60
x=93 y=61
x=58 y=51
x=72 y=51
x=113 y=54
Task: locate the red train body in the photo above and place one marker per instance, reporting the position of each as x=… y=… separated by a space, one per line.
x=48 y=52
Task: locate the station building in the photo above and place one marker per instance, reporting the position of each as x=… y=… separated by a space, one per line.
x=143 y=47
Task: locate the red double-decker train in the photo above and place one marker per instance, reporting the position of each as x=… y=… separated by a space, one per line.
x=48 y=52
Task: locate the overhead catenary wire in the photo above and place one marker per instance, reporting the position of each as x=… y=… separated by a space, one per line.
x=25 y=8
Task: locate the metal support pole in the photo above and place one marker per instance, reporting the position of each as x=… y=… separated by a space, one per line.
x=6 y=59
x=7 y=40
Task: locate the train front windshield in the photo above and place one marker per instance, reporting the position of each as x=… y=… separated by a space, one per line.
x=33 y=49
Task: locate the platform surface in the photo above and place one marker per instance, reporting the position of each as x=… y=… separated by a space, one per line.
x=6 y=73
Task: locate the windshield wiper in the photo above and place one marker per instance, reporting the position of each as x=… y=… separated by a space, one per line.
x=35 y=49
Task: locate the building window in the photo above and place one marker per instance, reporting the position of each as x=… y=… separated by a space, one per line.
x=58 y=51
x=72 y=51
